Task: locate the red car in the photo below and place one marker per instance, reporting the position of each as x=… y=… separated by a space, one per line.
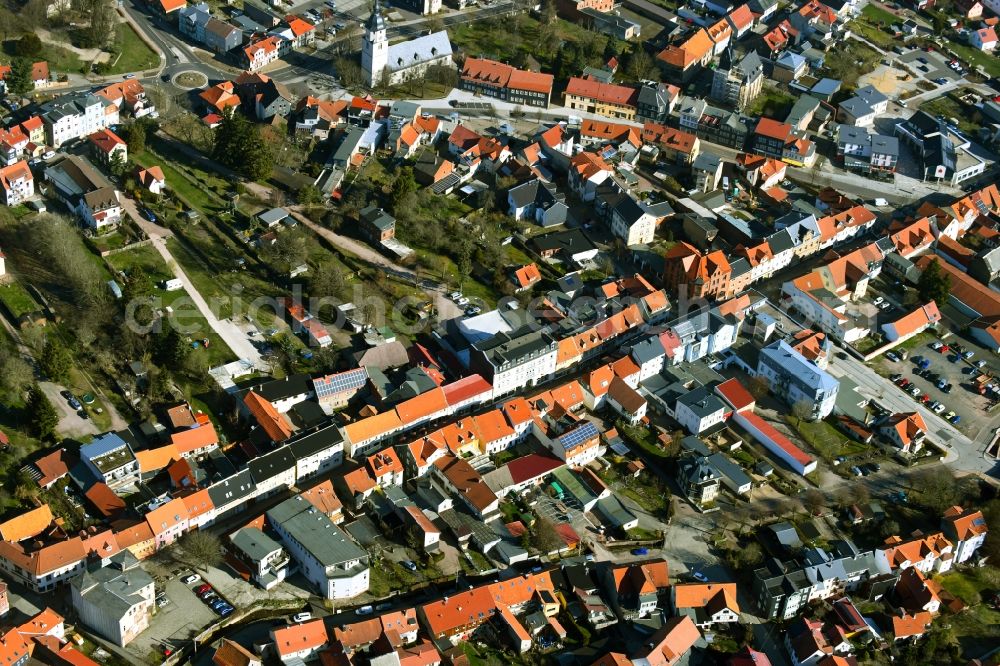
x=945 y=349
x=201 y=589
x=925 y=398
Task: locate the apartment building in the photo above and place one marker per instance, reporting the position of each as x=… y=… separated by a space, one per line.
x=17 y=182
x=116 y=601
x=603 y=99
x=76 y=115
x=500 y=81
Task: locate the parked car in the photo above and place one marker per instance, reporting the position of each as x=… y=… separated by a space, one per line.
x=640 y=551
x=946 y=388
x=981 y=363
x=968 y=354
x=463 y=301
x=409 y=565
x=938 y=408
x=74 y=403
x=875 y=467
x=189 y=580
x=877 y=300
x=941 y=383
x=891 y=356
x=885 y=306
x=895 y=377
x=914 y=391
x=955 y=419
x=48 y=155
x=699 y=576
x=302 y=617
x=455 y=295
x=364 y=610
x=936 y=345
x=162 y=601
x=202 y=589
x=856 y=471
x=225 y=610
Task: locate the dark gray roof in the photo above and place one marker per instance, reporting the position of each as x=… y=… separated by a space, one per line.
x=254 y=543
x=702 y=402
x=572 y=241
x=232 y=489
x=313 y=442
x=315 y=532
x=270 y=465
x=379 y=218
x=885 y=145
x=280 y=389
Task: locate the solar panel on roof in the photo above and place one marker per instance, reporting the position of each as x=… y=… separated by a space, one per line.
x=578 y=435
x=981 y=205
x=338 y=383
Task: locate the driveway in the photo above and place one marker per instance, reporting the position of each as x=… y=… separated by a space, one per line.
x=231 y=334
x=70 y=423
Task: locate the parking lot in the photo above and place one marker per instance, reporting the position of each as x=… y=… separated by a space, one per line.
x=930 y=64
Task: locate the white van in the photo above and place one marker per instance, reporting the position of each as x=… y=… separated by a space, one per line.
x=173 y=284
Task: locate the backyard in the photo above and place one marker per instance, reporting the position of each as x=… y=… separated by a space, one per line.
x=949 y=107
x=825 y=439
x=771 y=102
x=17 y=300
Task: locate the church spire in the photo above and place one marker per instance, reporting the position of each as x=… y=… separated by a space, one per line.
x=375 y=21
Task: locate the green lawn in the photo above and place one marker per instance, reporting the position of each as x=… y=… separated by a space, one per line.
x=949 y=107
x=771 y=102
x=132 y=54
x=988 y=61
x=825 y=439
x=878 y=15
x=17 y=300
x=513 y=39
x=873 y=33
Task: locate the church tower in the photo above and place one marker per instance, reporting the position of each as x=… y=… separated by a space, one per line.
x=375 y=49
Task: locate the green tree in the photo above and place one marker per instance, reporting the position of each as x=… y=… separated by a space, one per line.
x=19 y=78
x=28 y=46
x=171 y=349
x=135 y=137
x=308 y=195
x=56 y=360
x=402 y=188
x=118 y=165
x=240 y=146
x=934 y=284
x=41 y=414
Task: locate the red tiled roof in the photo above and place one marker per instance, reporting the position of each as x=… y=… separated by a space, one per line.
x=732 y=391
x=532 y=466
x=601 y=92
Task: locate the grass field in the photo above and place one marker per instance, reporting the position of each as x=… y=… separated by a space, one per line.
x=878 y=15
x=950 y=108
x=825 y=439
x=132 y=53
x=988 y=61
x=772 y=103
x=17 y=300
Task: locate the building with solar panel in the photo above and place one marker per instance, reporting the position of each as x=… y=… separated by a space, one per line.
x=336 y=390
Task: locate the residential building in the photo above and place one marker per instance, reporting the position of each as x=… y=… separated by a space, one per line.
x=297 y=643
x=632 y=222
x=456 y=477
x=699 y=480
x=603 y=99
x=376 y=225
x=700 y=410
x=670 y=644
x=778 y=140
x=655 y=102
x=862 y=109
x=797 y=380
x=682 y=62
x=129 y=96
x=108 y=147
x=514 y=360
x=706 y=604
x=76 y=115
x=865 y=152
x=264 y=558
x=906 y=431
x=494 y=79
x=538 y=201
x=736 y=84
x=18 y=183
x=701 y=275
x=327 y=556
x=966 y=529
x=110 y=458
x=115 y=601
x=916 y=322
x=261 y=53
x=86 y=192
x=932 y=553
x=984 y=39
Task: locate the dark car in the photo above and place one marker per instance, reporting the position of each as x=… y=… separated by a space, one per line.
x=65 y=394
x=74 y=403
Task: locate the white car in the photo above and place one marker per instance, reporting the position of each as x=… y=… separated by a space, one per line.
x=878 y=300
x=462 y=301
x=302 y=617
x=939 y=408
x=190 y=580
x=49 y=155
x=455 y=295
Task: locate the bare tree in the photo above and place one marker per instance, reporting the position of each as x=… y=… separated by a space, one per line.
x=814 y=500
x=802 y=410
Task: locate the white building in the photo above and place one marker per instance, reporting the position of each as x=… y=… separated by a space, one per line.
x=17 y=182
x=326 y=555
x=405 y=60
x=115 y=601
x=75 y=116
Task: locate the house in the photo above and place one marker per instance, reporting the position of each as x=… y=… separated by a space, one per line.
x=110 y=458
x=76 y=115
x=108 y=147
x=910 y=626
x=668 y=645
x=297 y=643
x=916 y=593
x=263 y=96
x=525 y=277
x=231 y=653
x=706 y=604
x=86 y=192
x=115 y=601
x=924 y=317
x=18 y=183
x=129 y=96
x=925 y=553
x=984 y=39
x=327 y=556
x=261 y=53
x=863 y=151
x=152 y=179
x=454 y=476
x=775 y=139
x=685 y=268
x=509 y=84
x=966 y=529
x=40 y=75
x=698 y=479
x=538 y=201
x=699 y=410
x=635 y=587
x=376 y=225
x=603 y=99
x=736 y=84
x=655 y=101
x=633 y=222
x=220 y=97
x=707 y=170
x=862 y=109
x=682 y=62
x=810 y=642
x=626 y=401
x=263 y=557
